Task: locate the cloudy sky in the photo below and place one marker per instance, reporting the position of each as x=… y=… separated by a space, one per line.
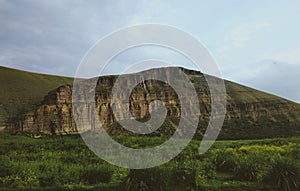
x=255 y=43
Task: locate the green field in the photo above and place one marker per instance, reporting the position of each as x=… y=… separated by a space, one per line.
x=65 y=163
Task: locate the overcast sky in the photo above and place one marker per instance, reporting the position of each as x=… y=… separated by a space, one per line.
x=255 y=43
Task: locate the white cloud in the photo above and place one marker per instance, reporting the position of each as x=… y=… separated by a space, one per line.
x=239 y=36
x=149 y=11
x=289 y=56
x=52 y=36
x=49 y=35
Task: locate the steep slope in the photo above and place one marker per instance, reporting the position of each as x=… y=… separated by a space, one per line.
x=250 y=113
x=22 y=91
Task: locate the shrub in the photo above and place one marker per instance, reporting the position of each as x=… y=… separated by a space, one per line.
x=49 y=173
x=26 y=179
x=182 y=179
x=296 y=151
x=248 y=168
x=205 y=171
x=97 y=175
x=160 y=178
x=143 y=180
x=5 y=165
x=283 y=175
x=225 y=160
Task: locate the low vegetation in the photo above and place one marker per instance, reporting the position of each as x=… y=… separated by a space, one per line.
x=65 y=163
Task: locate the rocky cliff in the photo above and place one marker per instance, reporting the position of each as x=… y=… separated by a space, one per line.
x=250 y=113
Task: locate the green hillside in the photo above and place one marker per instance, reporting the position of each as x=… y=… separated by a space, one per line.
x=21 y=91
x=250 y=113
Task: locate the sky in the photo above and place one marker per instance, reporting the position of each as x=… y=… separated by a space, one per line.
x=255 y=43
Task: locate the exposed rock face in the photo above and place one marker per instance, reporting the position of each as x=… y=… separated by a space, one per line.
x=249 y=112
x=54 y=115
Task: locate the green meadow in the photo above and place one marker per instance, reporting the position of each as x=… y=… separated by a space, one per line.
x=66 y=163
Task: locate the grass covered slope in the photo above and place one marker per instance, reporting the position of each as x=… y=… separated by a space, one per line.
x=260 y=114
x=250 y=113
x=21 y=91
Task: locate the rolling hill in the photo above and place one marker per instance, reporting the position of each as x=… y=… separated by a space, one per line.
x=250 y=113
x=22 y=91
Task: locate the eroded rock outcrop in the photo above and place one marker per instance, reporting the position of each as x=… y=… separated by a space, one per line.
x=247 y=109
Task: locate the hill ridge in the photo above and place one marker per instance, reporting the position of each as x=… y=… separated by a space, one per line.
x=250 y=113
x=22 y=91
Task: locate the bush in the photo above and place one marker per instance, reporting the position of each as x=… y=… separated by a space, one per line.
x=248 y=168
x=160 y=178
x=283 y=175
x=5 y=165
x=296 y=151
x=206 y=171
x=97 y=175
x=49 y=173
x=26 y=179
x=182 y=179
x=144 y=180
x=225 y=160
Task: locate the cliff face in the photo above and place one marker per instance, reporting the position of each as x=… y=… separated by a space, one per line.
x=250 y=113
x=53 y=115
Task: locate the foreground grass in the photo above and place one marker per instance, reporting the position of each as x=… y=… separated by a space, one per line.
x=65 y=163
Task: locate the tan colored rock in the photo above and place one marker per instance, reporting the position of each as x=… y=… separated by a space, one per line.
x=245 y=106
